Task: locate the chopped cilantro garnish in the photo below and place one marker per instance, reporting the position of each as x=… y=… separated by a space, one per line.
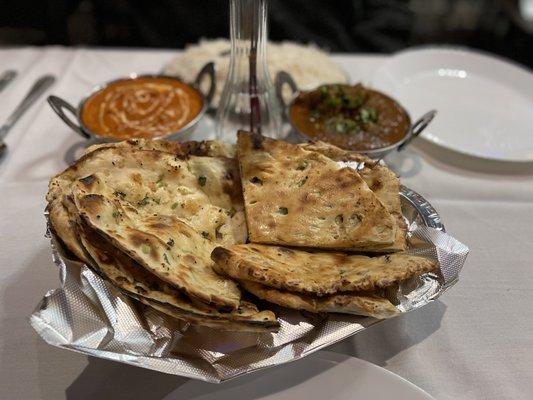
x=303 y=165
x=369 y=115
x=302 y=182
x=147 y=200
x=202 y=180
x=354 y=101
x=120 y=194
x=144 y=201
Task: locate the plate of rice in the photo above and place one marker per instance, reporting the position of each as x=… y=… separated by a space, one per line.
x=309 y=65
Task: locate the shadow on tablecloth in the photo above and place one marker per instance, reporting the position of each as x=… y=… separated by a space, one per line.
x=103 y=379
x=381 y=342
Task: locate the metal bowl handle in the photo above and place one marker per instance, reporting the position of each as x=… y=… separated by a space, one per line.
x=58 y=104
x=284 y=78
x=418 y=127
x=208 y=70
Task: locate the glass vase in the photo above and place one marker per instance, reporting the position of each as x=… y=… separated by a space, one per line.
x=248 y=100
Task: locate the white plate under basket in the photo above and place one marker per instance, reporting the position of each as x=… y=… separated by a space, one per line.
x=325 y=375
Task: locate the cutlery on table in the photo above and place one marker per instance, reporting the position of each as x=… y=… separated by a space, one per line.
x=38 y=88
x=6 y=77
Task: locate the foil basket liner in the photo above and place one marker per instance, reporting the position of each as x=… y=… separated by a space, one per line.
x=90 y=316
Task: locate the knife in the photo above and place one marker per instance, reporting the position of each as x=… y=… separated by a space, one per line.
x=6 y=77
x=38 y=88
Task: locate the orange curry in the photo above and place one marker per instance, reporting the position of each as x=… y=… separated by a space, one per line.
x=143 y=107
x=350 y=117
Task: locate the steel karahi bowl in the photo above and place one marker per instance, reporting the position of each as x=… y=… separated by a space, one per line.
x=75 y=120
x=284 y=79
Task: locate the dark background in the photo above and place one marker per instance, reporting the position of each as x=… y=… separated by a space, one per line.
x=341 y=26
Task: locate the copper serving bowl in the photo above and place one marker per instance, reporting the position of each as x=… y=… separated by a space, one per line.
x=76 y=122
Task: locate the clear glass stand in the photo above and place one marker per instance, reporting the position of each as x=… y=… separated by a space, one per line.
x=248 y=100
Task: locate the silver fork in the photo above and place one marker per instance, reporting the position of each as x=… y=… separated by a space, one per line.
x=38 y=88
x=6 y=77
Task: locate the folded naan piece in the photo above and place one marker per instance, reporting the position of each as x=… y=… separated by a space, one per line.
x=318 y=273
x=298 y=197
x=126 y=274
x=63 y=225
x=380 y=179
x=250 y=319
x=164 y=245
x=349 y=303
x=207 y=148
x=204 y=191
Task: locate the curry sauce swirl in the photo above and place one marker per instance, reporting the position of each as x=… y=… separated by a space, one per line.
x=143 y=107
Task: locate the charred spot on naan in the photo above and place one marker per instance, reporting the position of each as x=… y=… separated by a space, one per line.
x=94 y=204
x=89 y=181
x=143 y=242
x=257 y=140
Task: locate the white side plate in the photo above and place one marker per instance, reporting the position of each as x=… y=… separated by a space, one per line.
x=325 y=375
x=484 y=104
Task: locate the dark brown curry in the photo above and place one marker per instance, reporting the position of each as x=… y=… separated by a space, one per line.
x=351 y=117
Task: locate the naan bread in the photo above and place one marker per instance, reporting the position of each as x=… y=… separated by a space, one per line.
x=263 y=321
x=207 y=148
x=204 y=191
x=297 y=197
x=380 y=179
x=63 y=226
x=349 y=303
x=317 y=273
x=164 y=245
x=141 y=144
x=134 y=280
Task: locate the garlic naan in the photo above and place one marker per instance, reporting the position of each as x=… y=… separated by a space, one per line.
x=317 y=273
x=380 y=179
x=164 y=245
x=208 y=148
x=349 y=303
x=204 y=191
x=298 y=197
x=134 y=280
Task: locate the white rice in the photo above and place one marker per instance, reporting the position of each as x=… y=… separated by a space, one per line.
x=308 y=65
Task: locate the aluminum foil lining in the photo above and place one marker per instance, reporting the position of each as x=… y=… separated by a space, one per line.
x=88 y=315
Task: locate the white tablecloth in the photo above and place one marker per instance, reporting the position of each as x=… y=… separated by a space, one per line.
x=476 y=342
